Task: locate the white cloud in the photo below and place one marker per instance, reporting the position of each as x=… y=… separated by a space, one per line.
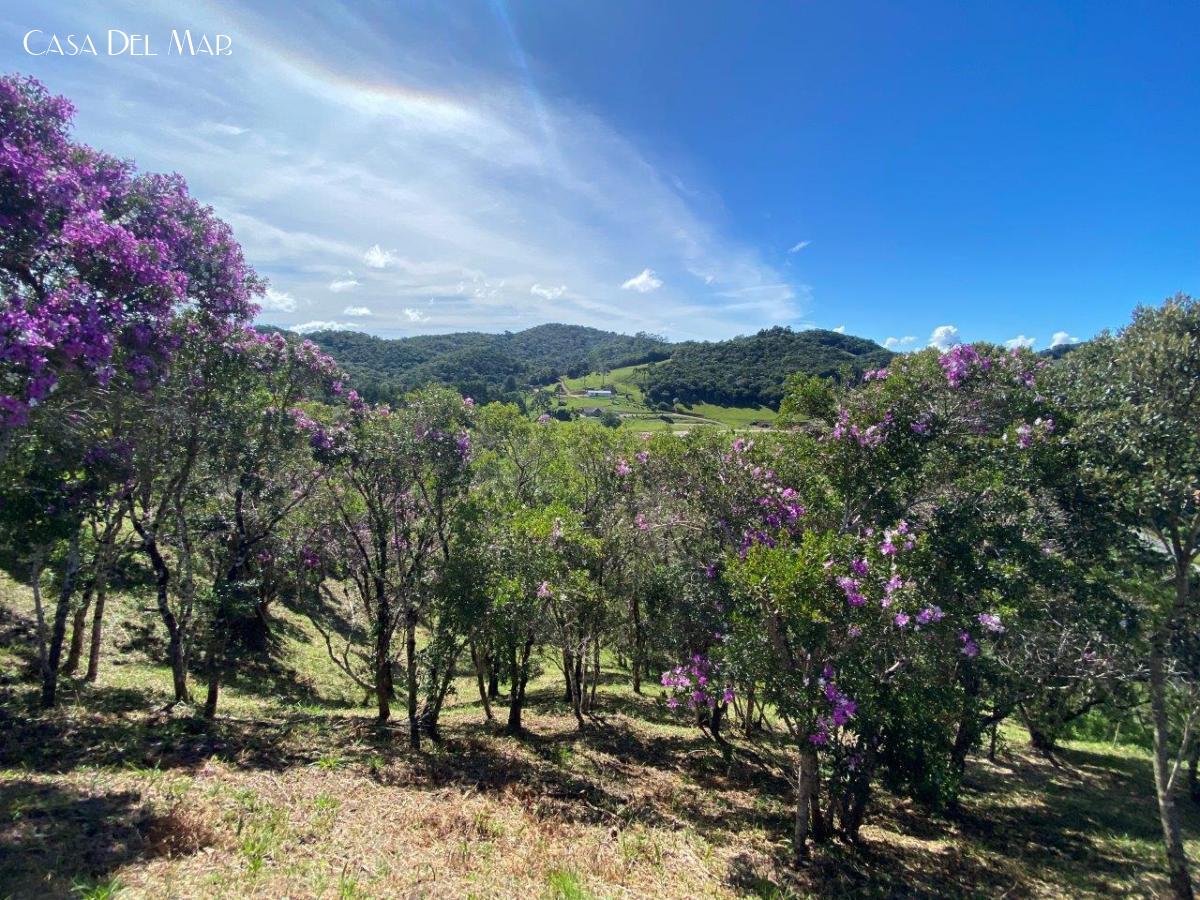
x=356 y=311
x=643 y=283
x=1060 y=338
x=222 y=128
x=900 y=343
x=841 y=329
x=278 y=301
x=415 y=315
x=378 y=258
x=798 y=246
x=306 y=327
x=548 y=293
x=1020 y=341
x=944 y=337
x=341 y=285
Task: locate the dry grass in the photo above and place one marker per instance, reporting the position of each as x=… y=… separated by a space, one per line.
x=299 y=794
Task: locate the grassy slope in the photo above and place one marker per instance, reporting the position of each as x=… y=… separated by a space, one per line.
x=297 y=793
x=625 y=381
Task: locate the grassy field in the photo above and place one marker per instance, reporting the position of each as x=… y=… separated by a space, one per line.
x=295 y=792
x=733 y=416
x=628 y=401
x=624 y=380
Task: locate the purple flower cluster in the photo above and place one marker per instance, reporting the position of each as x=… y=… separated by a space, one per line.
x=98 y=260
x=991 y=622
x=961 y=361
x=970 y=649
x=870 y=437
x=841 y=709
x=1038 y=431
x=694 y=681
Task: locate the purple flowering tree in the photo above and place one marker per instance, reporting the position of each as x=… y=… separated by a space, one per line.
x=96 y=263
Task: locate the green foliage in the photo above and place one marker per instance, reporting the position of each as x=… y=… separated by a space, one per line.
x=485 y=366
x=751 y=371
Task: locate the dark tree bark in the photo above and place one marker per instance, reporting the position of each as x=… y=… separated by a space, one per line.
x=806 y=788
x=59 y=632
x=93 y=667
x=477 y=660
x=78 y=633
x=516 y=694
x=410 y=658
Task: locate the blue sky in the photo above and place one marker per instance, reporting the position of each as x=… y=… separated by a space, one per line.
x=996 y=171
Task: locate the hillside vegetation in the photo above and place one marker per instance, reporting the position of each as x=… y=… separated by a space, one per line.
x=486 y=366
x=751 y=371
x=745 y=372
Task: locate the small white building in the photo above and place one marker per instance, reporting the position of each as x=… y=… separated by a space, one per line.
x=599 y=393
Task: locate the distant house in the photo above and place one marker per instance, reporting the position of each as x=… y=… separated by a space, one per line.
x=591 y=411
x=599 y=393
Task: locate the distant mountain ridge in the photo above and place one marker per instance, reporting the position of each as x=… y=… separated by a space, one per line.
x=744 y=371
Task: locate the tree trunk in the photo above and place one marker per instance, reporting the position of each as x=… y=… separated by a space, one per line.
x=576 y=686
x=59 y=632
x=968 y=723
x=176 y=649
x=595 y=675
x=635 y=612
x=383 y=654
x=35 y=581
x=216 y=660
x=431 y=711
x=410 y=659
x=476 y=658
x=568 y=692
x=806 y=786
x=516 y=693
x=1168 y=815
x=748 y=724
x=493 y=678
x=93 y=668
x=78 y=628
x=177 y=656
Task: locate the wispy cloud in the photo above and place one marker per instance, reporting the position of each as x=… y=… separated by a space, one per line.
x=644 y=282
x=900 y=343
x=278 y=301
x=342 y=285
x=222 y=128
x=415 y=315
x=447 y=175
x=548 y=293
x=798 y=246
x=944 y=337
x=841 y=329
x=359 y=311
x=1020 y=341
x=1061 y=337
x=308 y=327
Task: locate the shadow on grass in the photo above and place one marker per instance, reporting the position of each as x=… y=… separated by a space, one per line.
x=54 y=837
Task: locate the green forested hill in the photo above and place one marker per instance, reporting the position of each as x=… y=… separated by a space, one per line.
x=750 y=371
x=745 y=371
x=488 y=366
